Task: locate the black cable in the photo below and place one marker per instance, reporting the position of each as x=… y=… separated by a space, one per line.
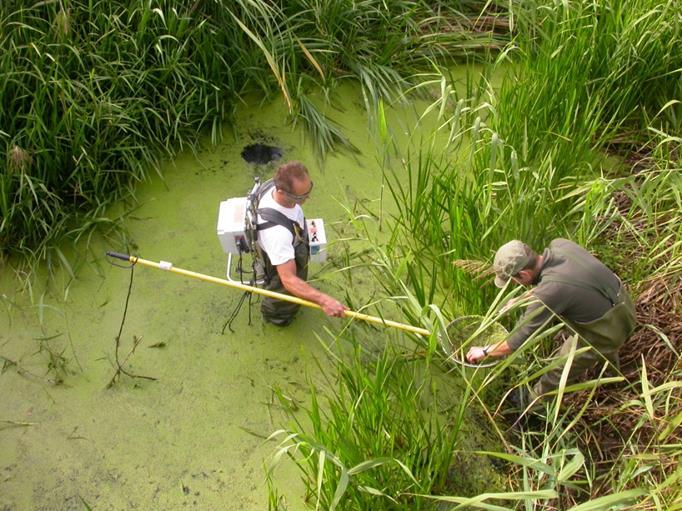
x=252 y=283
x=254 y=280
x=112 y=263
x=120 y=369
x=235 y=312
x=125 y=308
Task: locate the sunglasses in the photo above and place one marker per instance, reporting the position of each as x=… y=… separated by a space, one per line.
x=301 y=197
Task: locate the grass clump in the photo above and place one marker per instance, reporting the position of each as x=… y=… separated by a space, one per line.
x=94 y=95
x=530 y=163
x=380 y=436
x=593 y=75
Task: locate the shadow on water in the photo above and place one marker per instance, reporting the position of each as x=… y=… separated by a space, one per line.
x=260 y=154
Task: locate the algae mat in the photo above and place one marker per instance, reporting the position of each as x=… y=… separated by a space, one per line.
x=194 y=438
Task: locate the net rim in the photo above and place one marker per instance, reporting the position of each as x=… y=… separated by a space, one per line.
x=451 y=354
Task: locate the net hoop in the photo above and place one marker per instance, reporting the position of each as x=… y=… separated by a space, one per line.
x=456 y=354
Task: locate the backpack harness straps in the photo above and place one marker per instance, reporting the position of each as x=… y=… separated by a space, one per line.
x=273 y=217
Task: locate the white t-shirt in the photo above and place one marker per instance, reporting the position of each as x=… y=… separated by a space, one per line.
x=277 y=240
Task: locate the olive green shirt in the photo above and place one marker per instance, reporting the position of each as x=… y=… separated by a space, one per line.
x=573 y=284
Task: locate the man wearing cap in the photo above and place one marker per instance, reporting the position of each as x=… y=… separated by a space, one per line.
x=284 y=247
x=572 y=284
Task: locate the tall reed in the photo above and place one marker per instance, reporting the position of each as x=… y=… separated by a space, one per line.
x=526 y=165
x=376 y=437
x=529 y=165
x=591 y=74
x=95 y=94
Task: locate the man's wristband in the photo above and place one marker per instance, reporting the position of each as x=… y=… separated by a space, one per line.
x=485 y=350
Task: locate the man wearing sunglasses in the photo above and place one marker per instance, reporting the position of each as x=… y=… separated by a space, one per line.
x=284 y=246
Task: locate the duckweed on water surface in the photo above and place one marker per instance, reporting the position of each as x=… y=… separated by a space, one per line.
x=521 y=161
x=194 y=437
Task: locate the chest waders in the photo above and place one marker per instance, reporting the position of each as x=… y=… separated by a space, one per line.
x=277 y=311
x=605 y=335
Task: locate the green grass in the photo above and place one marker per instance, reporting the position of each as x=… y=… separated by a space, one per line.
x=527 y=161
x=377 y=437
x=593 y=75
x=95 y=94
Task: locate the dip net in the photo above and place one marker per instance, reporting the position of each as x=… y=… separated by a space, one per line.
x=467 y=331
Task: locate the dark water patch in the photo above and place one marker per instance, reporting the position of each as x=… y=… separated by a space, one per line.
x=261 y=154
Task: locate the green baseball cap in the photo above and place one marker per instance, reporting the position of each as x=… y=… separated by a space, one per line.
x=510 y=259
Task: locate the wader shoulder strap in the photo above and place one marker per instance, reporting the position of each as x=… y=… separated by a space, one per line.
x=273 y=217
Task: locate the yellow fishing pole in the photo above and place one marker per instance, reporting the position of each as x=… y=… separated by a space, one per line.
x=167 y=266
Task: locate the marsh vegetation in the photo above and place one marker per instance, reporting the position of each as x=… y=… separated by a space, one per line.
x=571 y=127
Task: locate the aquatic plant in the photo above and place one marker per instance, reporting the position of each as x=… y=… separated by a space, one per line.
x=635 y=223
x=95 y=103
x=378 y=436
x=95 y=94
x=593 y=74
x=529 y=164
x=517 y=166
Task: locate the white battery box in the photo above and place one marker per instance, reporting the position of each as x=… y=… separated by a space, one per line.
x=231 y=222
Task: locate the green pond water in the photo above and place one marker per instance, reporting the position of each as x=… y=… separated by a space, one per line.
x=194 y=438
